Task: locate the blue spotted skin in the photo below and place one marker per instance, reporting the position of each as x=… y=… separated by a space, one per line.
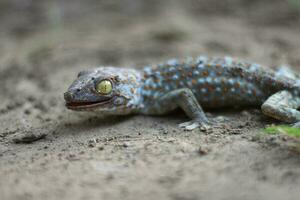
x=215 y=82
x=195 y=83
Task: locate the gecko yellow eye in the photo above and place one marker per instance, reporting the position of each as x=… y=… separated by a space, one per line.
x=104 y=87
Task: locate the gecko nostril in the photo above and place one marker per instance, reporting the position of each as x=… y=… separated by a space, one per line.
x=68 y=96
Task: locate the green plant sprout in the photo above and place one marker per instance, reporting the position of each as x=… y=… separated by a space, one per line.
x=292 y=131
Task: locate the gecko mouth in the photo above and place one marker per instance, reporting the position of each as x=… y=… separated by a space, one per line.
x=83 y=105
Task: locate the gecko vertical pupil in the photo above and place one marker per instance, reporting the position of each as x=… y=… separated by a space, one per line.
x=104 y=87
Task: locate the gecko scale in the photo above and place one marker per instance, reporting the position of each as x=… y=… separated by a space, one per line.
x=190 y=85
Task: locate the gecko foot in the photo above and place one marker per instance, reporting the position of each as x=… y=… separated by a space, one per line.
x=191 y=125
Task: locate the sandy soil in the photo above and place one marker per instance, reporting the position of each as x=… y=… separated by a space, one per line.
x=43 y=45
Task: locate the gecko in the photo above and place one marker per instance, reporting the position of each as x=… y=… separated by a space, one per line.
x=190 y=84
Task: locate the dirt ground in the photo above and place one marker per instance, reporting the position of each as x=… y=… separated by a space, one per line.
x=44 y=44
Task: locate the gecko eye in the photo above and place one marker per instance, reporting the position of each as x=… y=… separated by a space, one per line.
x=104 y=87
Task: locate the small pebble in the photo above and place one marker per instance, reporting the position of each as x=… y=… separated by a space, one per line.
x=92 y=145
x=27 y=112
x=101 y=148
x=203 y=151
x=125 y=144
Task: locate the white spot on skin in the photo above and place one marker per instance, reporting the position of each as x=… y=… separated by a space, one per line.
x=156 y=94
x=167 y=87
x=212 y=73
x=148 y=82
x=201 y=80
x=157 y=73
x=153 y=85
x=172 y=69
x=196 y=72
x=228 y=60
x=175 y=77
x=201 y=59
x=254 y=67
x=209 y=79
x=203 y=90
x=249 y=92
x=217 y=80
x=201 y=66
x=231 y=81
x=172 y=62
x=148 y=70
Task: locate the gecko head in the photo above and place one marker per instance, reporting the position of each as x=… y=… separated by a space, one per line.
x=106 y=89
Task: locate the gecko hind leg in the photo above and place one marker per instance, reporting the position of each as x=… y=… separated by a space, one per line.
x=186 y=100
x=283 y=106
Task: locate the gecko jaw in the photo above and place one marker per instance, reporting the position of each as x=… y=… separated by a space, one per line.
x=86 y=105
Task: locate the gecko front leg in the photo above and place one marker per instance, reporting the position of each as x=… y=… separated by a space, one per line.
x=186 y=100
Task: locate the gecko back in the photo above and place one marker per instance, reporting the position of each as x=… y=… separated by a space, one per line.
x=216 y=82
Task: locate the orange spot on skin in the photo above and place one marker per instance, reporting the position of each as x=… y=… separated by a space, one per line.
x=225 y=90
x=205 y=73
x=168 y=74
x=243 y=90
x=194 y=82
x=150 y=88
x=168 y=79
x=156 y=80
x=206 y=85
x=146 y=87
x=237 y=85
x=223 y=81
x=211 y=88
x=154 y=67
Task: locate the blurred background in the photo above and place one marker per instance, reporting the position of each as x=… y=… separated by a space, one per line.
x=45 y=43
x=39 y=38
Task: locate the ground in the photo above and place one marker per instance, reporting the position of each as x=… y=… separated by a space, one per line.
x=44 y=44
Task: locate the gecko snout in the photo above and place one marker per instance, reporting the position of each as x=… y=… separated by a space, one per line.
x=68 y=96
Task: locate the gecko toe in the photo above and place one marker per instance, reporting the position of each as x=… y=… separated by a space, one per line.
x=191 y=125
x=185 y=124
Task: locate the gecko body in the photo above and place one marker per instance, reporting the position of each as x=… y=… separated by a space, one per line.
x=191 y=85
